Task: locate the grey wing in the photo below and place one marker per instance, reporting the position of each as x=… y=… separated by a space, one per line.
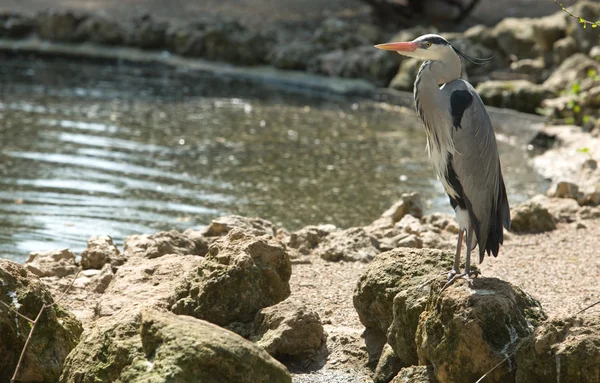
x=477 y=167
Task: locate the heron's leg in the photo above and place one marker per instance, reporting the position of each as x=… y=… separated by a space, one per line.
x=456 y=268
x=469 y=247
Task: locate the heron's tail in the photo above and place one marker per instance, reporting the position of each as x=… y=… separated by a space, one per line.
x=499 y=219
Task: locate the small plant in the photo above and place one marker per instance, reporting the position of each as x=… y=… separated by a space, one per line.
x=583 y=21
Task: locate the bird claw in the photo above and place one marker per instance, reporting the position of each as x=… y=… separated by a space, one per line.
x=448 y=274
x=465 y=276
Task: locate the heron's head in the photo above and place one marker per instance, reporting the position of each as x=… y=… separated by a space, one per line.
x=429 y=47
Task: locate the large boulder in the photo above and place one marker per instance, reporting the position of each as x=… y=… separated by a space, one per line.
x=54 y=263
x=288 y=329
x=522 y=95
x=240 y=275
x=562 y=350
x=150 y=345
x=352 y=244
x=55 y=335
x=466 y=331
x=389 y=274
x=159 y=244
x=100 y=250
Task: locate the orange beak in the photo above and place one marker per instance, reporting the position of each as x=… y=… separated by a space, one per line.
x=398 y=47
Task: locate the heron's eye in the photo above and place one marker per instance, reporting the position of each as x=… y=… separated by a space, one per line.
x=427 y=44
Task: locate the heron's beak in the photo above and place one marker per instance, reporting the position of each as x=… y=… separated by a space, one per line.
x=398 y=47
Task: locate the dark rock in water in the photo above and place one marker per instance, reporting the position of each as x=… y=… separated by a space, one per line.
x=147 y=33
x=531 y=217
x=240 y=275
x=101 y=30
x=562 y=350
x=100 y=250
x=150 y=345
x=352 y=244
x=159 y=244
x=255 y=226
x=60 y=25
x=288 y=329
x=466 y=331
x=56 y=333
x=15 y=26
x=55 y=263
x=415 y=374
x=390 y=273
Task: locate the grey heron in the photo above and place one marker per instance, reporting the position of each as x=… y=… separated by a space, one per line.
x=461 y=145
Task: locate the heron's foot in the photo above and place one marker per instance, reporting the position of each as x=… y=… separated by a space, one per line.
x=465 y=276
x=448 y=274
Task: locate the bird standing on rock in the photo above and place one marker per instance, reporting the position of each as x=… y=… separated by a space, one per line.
x=461 y=145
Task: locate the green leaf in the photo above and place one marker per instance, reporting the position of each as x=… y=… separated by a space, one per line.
x=583 y=150
x=576 y=109
x=581 y=20
x=594 y=25
x=586 y=118
x=575 y=88
x=591 y=72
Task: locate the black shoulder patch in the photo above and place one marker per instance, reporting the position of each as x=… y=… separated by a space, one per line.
x=460 y=100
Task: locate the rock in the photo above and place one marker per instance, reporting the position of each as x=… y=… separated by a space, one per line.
x=586 y=37
x=16 y=26
x=149 y=345
x=100 y=250
x=522 y=95
x=531 y=217
x=415 y=374
x=376 y=66
x=199 y=240
x=352 y=244
x=187 y=349
x=563 y=49
x=466 y=331
x=563 y=189
x=483 y=35
x=388 y=366
x=100 y=282
x=405 y=78
x=294 y=55
x=562 y=350
x=147 y=33
x=571 y=71
x=309 y=237
x=100 y=29
x=59 y=25
x=240 y=275
x=390 y=273
x=56 y=334
x=561 y=209
x=254 y=226
x=335 y=33
x=410 y=241
x=516 y=36
x=588 y=212
x=549 y=29
x=595 y=53
x=534 y=68
x=287 y=329
x=591 y=198
x=55 y=263
x=409 y=203
x=159 y=244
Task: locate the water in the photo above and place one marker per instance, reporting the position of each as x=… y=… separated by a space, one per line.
x=104 y=148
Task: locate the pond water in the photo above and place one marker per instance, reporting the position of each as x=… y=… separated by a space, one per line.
x=118 y=149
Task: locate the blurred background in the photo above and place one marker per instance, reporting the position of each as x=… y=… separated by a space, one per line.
x=128 y=117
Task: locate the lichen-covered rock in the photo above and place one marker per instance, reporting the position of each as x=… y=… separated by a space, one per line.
x=515 y=36
x=562 y=350
x=254 y=226
x=549 y=29
x=387 y=366
x=287 y=328
x=415 y=374
x=100 y=250
x=309 y=237
x=59 y=25
x=54 y=263
x=186 y=349
x=466 y=331
x=240 y=275
x=531 y=217
x=55 y=336
x=159 y=244
x=352 y=244
x=390 y=273
x=522 y=95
